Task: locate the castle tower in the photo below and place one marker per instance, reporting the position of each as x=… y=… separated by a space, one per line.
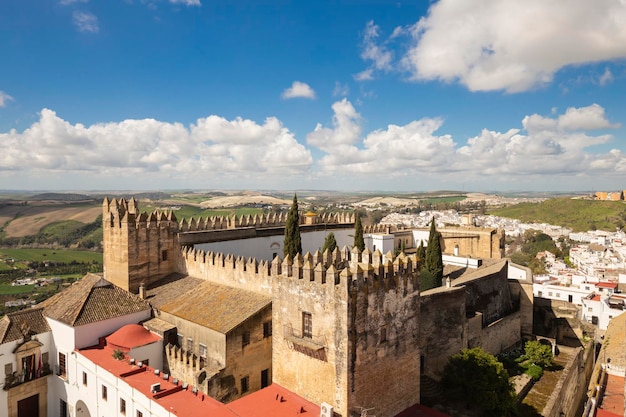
x=138 y=248
x=351 y=328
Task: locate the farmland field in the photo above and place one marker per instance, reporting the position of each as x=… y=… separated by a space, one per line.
x=25 y=220
x=58 y=255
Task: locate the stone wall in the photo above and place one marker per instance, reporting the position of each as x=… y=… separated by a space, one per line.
x=26 y=390
x=314 y=364
x=228 y=359
x=138 y=248
x=247 y=361
x=569 y=391
x=443 y=329
x=497 y=336
x=473 y=241
x=487 y=291
x=385 y=322
x=184 y=363
x=521 y=287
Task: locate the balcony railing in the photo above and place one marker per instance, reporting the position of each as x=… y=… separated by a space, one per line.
x=314 y=346
x=15 y=379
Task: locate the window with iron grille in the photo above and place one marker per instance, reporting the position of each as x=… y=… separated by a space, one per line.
x=307 y=325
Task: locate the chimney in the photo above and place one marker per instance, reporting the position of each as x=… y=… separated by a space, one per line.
x=142 y=291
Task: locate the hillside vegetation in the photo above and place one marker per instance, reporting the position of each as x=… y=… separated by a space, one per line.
x=579 y=215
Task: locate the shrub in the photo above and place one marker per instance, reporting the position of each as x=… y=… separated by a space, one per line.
x=478 y=378
x=534 y=371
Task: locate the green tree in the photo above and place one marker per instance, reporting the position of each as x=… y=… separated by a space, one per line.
x=427 y=280
x=293 y=242
x=421 y=251
x=538 y=353
x=330 y=243
x=477 y=377
x=358 y=233
x=434 y=261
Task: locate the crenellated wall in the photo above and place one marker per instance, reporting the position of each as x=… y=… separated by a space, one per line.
x=385 y=322
x=259 y=221
x=138 y=247
x=348 y=328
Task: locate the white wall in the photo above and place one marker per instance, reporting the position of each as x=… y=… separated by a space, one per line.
x=89 y=334
x=421 y=235
x=383 y=243
x=461 y=261
x=117 y=389
x=600 y=309
x=516 y=272
x=559 y=292
x=265 y=247
x=153 y=352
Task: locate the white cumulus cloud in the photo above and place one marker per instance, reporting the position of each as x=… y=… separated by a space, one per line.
x=376 y=52
x=4 y=99
x=344 y=133
x=512 y=45
x=212 y=147
x=557 y=146
x=85 y=21
x=186 y=2
x=298 y=89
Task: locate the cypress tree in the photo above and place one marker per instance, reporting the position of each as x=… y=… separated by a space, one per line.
x=330 y=243
x=434 y=261
x=421 y=251
x=293 y=243
x=358 y=233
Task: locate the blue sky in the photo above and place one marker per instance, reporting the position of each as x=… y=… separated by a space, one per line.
x=347 y=95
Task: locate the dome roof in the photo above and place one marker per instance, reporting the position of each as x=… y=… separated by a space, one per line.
x=131 y=336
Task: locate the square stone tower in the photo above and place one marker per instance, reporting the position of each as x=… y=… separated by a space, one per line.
x=138 y=248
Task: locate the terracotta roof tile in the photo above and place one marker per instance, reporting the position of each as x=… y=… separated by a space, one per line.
x=90 y=300
x=11 y=325
x=216 y=306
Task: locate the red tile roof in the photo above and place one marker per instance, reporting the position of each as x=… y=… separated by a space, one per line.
x=612 y=285
x=421 y=411
x=182 y=403
x=613 y=398
x=274 y=401
x=603 y=413
x=131 y=336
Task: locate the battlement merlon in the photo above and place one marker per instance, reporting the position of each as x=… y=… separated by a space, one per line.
x=304 y=270
x=220 y=227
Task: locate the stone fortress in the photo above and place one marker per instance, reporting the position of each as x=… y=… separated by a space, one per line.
x=347 y=329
